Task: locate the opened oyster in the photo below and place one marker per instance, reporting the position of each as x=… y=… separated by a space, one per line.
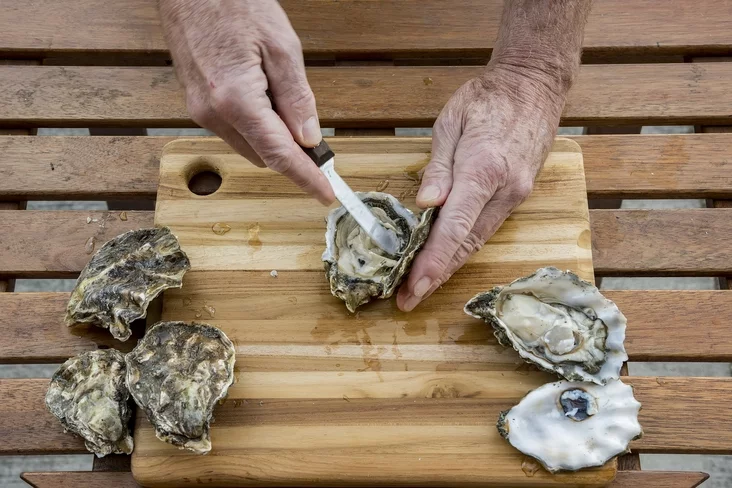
x=89 y=396
x=558 y=321
x=124 y=276
x=176 y=374
x=358 y=269
x=568 y=426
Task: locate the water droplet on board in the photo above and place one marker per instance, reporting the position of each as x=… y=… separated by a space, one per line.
x=274 y=273
x=88 y=220
x=123 y=215
x=220 y=229
x=187 y=301
x=198 y=315
x=89 y=246
x=529 y=466
x=427 y=81
x=382 y=185
x=210 y=310
x=292 y=300
x=254 y=240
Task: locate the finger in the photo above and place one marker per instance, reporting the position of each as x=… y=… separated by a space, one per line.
x=249 y=111
x=285 y=68
x=489 y=221
x=470 y=192
x=437 y=178
x=237 y=142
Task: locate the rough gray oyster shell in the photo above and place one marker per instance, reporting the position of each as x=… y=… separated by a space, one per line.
x=567 y=426
x=176 y=374
x=559 y=322
x=124 y=276
x=356 y=268
x=88 y=394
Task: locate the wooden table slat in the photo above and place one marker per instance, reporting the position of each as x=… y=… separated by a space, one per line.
x=28 y=428
x=68 y=168
x=681 y=242
x=361 y=97
x=405 y=28
x=34 y=332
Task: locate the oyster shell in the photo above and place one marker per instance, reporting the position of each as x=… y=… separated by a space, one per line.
x=124 y=276
x=558 y=321
x=567 y=426
x=89 y=396
x=176 y=374
x=356 y=268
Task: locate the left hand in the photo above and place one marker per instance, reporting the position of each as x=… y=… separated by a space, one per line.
x=489 y=142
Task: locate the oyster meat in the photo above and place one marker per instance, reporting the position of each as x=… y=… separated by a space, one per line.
x=567 y=426
x=124 y=276
x=176 y=374
x=356 y=268
x=559 y=322
x=89 y=396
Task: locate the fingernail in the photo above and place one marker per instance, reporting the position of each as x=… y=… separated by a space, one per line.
x=422 y=287
x=411 y=302
x=311 y=132
x=429 y=194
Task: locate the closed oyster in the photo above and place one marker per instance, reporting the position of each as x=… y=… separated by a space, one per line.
x=176 y=374
x=89 y=396
x=558 y=321
x=356 y=268
x=568 y=426
x=124 y=276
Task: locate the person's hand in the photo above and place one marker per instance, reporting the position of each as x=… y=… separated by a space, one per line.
x=221 y=52
x=489 y=142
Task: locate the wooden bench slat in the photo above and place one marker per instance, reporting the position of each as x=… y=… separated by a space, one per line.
x=401 y=29
x=33 y=329
x=88 y=479
x=91 y=479
x=365 y=97
x=682 y=242
x=666 y=416
x=67 y=167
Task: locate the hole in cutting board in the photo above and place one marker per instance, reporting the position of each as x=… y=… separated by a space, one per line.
x=203 y=178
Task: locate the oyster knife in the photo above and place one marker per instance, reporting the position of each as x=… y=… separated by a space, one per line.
x=324 y=157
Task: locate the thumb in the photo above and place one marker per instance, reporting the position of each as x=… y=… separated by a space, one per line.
x=437 y=178
x=293 y=97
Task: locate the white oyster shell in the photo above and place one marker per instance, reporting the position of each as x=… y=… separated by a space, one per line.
x=356 y=268
x=568 y=426
x=559 y=322
x=89 y=396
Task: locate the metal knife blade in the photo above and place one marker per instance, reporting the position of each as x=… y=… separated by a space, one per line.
x=324 y=157
x=382 y=237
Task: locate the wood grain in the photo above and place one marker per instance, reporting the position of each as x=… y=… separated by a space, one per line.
x=36 y=332
x=645 y=479
x=667 y=402
x=278 y=231
x=624 y=242
x=405 y=29
x=86 y=479
x=361 y=97
x=685 y=245
x=84 y=168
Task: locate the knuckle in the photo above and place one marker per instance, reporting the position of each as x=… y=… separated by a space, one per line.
x=522 y=189
x=284 y=46
x=222 y=99
x=459 y=227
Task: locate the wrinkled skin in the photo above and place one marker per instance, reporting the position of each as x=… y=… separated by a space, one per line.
x=489 y=142
x=221 y=51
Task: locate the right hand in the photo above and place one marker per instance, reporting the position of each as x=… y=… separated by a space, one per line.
x=221 y=51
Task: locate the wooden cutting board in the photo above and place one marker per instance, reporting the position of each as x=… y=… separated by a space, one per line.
x=325 y=397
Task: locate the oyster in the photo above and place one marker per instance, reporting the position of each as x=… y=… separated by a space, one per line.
x=89 y=396
x=568 y=426
x=124 y=276
x=358 y=269
x=558 y=321
x=176 y=374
